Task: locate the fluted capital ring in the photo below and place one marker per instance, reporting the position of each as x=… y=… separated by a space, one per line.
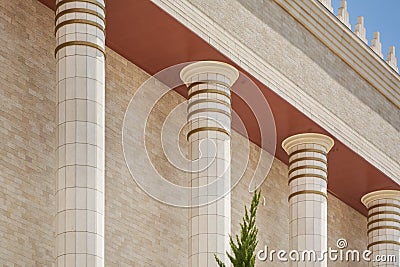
x=308 y=138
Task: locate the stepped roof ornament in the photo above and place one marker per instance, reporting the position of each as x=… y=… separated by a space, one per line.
x=376 y=44
x=327 y=4
x=391 y=58
x=360 y=30
x=343 y=14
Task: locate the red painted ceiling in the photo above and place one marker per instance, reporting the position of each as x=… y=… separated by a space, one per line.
x=153 y=40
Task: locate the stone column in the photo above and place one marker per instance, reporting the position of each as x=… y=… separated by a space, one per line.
x=383 y=225
x=209 y=118
x=80 y=55
x=308 y=193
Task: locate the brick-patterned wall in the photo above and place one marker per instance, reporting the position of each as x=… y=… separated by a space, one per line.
x=273 y=218
x=139 y=230
x=347 y=223
x=27 y=134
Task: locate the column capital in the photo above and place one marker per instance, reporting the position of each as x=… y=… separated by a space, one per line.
x=380 y=194
x=308 y=138
x=209 y=67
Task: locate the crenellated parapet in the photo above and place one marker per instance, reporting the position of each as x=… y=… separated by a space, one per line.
x=361 y=32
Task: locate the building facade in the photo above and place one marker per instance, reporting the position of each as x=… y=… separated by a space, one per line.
x=77 y=78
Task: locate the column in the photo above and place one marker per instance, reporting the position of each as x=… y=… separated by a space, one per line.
x=308 y=193
x=209 y=119
x=383 y=225
x=80 y=55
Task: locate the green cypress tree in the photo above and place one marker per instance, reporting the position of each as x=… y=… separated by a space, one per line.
x=244 y=251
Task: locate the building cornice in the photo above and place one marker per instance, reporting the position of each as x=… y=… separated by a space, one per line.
x=194 y=19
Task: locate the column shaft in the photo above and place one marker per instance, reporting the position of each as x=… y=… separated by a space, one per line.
x=209 y=118
x=80 y=35
x=383 y=225
x=308 y=194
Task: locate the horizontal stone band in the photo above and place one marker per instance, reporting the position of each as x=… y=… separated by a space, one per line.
x=215 y=91
x=79 y=21
x=383 y=220
x=315 y=192
x=83 y=43
x=209 y=110
x=384 y=205
x=217 y=129
x=307 y=158
x=208 y=82
x=387 y=242
x=307 y=175
x=386 y=227
x=308 y=150
x=94 y=2
x=384 y=212
x=308 y=167
x=209 y=100
x=80 y=10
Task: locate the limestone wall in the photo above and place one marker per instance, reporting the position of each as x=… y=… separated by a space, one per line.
x=27 y=134
x=140 y=231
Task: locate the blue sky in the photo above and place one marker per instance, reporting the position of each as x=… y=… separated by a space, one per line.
x=379 y=15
